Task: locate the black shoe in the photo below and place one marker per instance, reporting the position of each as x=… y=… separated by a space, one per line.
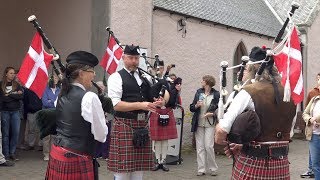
x=7 y=163
x=156 y=167
x=308 y=174
x=13 y=157
x=165 y=168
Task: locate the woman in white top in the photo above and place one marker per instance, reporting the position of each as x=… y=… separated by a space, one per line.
x=311 y=116
x=203 y=106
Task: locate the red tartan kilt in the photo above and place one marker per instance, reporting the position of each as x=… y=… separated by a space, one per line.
x=158 y=132
x=246 y=168
x=68 y=168
x=123 y=156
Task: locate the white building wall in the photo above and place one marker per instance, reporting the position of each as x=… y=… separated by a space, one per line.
x=313 y=67
x=131 y=21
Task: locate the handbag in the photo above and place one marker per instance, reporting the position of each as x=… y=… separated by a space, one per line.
x=140 y=137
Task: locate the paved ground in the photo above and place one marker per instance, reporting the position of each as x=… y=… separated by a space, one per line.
x=32 y=167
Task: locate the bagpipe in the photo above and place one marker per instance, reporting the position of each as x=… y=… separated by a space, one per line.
x=46 y=118
x=246 y=126
x=150 y=75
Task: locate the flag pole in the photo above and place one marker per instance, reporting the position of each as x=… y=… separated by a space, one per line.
x=111 y=34
x=33 y=19
x=294 y=7
x=104 y=72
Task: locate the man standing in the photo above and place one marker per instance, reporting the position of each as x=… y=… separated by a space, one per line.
x=130 y=147
x=32 y=103
x=266 y=156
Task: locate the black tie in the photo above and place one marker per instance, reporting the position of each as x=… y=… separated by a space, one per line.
x=132 y=73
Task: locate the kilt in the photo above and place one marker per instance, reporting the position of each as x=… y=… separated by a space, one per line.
x=158 y=132
x=123 y=156
x=68 y=168
x=247 y=168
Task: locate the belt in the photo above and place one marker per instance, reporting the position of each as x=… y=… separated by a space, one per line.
x=131 y=115
x=265 y=151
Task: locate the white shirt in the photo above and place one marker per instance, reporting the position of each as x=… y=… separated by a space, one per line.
x=92 y=112
x=241 y=102
x=115 y=85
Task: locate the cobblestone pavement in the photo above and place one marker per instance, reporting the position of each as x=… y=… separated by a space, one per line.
x=32 y=167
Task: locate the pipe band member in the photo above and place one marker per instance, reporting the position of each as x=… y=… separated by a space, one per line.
x=130 y=147
x=266 y=156
x=80 y=121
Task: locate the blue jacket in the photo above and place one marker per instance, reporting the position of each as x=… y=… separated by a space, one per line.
x=49 y=97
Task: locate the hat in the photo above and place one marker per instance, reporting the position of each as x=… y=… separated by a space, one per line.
x=131 y=50
x=257 y=54
x=82 y=57
x=177 y=81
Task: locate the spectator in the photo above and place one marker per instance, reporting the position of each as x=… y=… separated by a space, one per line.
x=32 y=103
x=311 y=116
x=50 y=95
x=312 y=93
x=172 y=77
x=204 y=104
x=11 y=94
x=102 y=149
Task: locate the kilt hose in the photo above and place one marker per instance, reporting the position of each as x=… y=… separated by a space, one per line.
x=70 y=166
x=158 y=132
x=123 y=156
x=248 y=168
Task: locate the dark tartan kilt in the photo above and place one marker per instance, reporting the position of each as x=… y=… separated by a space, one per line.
x=158 y=132
x=68 y=168
x=123 y=157
x=247 y=168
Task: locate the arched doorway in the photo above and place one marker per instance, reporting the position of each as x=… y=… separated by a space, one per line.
x=240 y=51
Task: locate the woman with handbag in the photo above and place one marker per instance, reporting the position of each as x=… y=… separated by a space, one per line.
x=204 y=104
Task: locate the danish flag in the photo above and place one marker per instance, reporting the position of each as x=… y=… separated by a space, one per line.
x=112 y=56
x=33 y=73
x=289 y=61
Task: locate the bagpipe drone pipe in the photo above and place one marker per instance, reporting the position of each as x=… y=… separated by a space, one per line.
x=246 y=126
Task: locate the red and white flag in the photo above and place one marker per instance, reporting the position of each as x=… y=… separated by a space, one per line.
x=112 y=56
x=33 y=73
x=289 y=61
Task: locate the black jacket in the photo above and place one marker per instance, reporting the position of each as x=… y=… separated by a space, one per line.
x=31 y=102
x=213 y=106
x=11 y=102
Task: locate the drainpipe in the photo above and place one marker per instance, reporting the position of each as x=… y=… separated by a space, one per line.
x=304 y=43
